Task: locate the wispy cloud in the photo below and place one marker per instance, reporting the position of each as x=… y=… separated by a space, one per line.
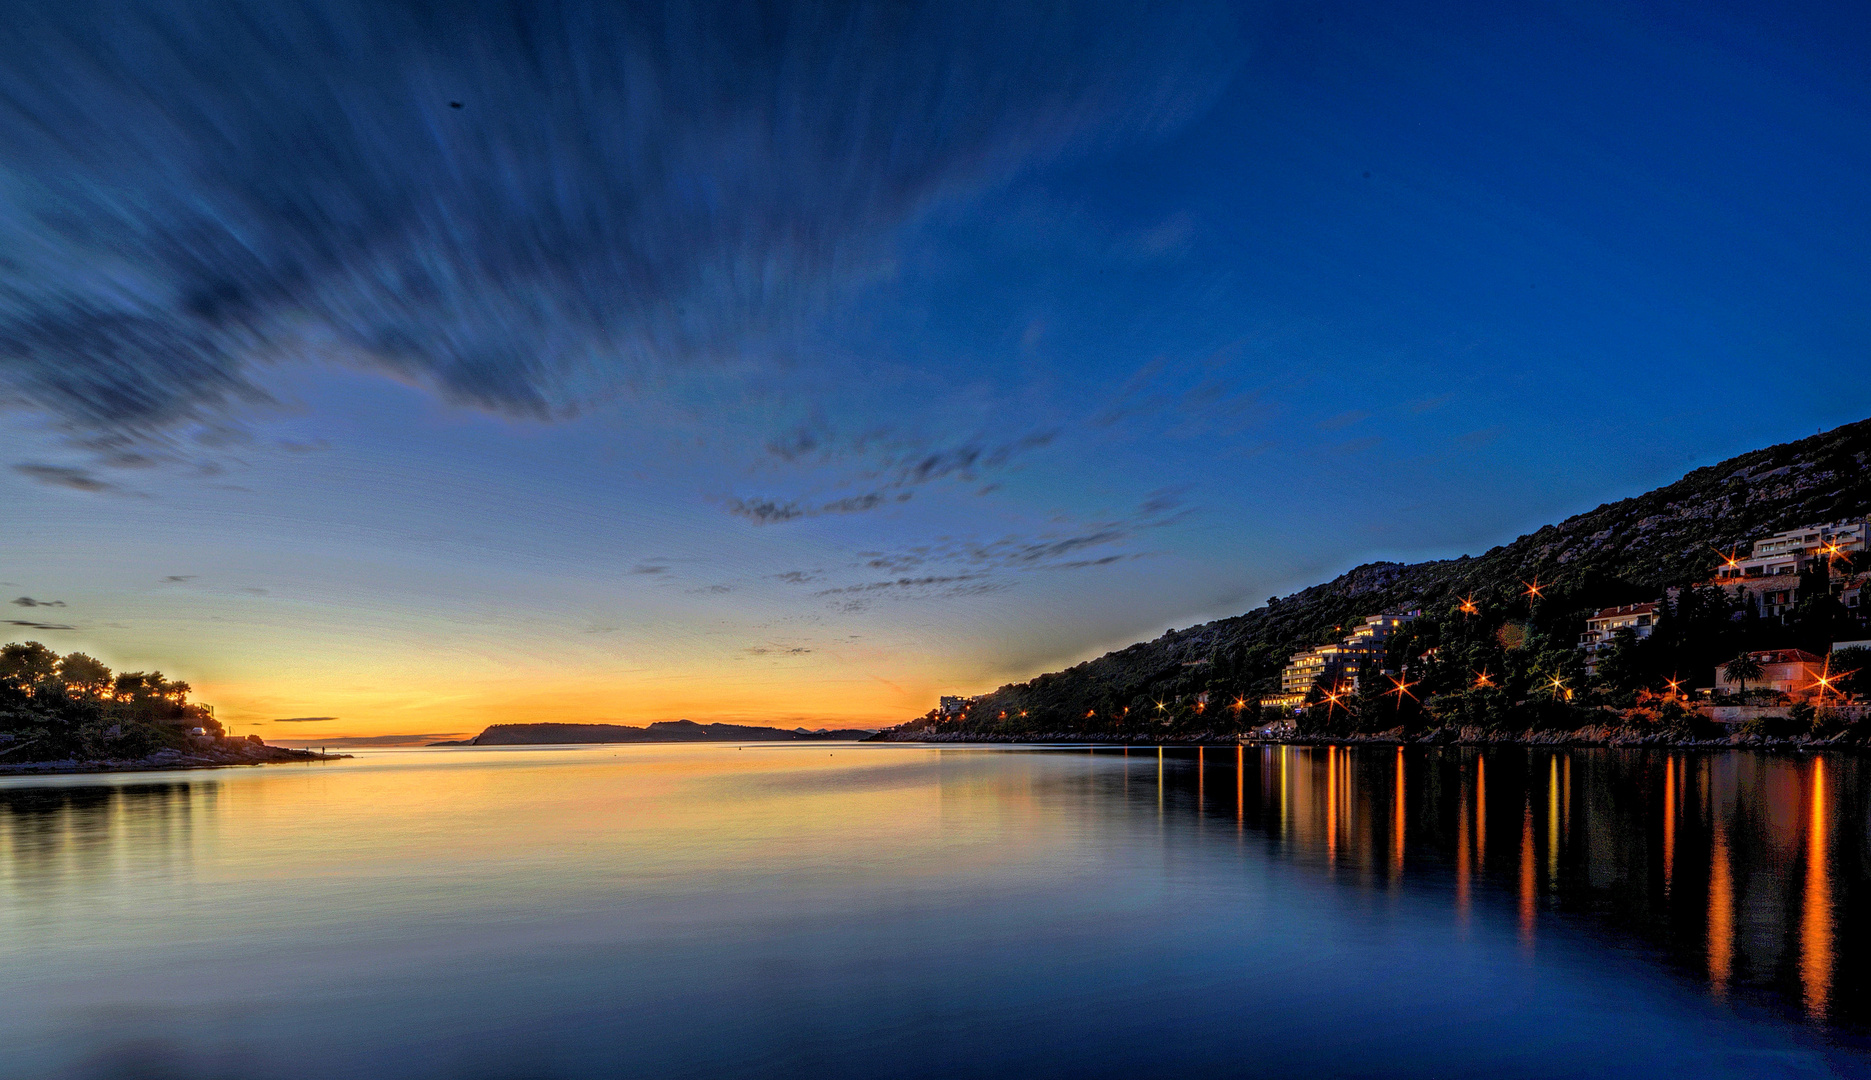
x=899 y=584
x=27 y=601
x=38 y=625
x=897 y=470
x=772 y=512
x=65 y=476
x=301 y=719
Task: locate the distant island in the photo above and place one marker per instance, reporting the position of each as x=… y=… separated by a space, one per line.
x=663 y=731
x=71 y=713
x=1727 y=608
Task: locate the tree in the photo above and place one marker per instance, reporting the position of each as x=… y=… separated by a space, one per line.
x=1855 y=665
x=28 y=666
x=84 y=676
x=1740 y=669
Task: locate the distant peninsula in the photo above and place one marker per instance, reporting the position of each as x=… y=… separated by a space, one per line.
x=70 y=713
x=664 y=731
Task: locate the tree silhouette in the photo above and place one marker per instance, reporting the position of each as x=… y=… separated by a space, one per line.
x=1740 y=669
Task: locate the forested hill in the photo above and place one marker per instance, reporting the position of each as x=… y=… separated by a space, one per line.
x=1621 y=552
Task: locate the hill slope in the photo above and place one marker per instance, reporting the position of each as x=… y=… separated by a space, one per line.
x=1618 y=553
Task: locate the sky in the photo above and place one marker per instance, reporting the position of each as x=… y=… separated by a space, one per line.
x=392 y=369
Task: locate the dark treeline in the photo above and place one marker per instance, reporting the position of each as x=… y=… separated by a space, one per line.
x=55 y=707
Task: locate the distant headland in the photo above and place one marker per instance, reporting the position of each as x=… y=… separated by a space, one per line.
x=663 y=731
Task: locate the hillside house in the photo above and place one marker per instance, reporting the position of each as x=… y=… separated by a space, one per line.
x=1601 y=628
x=1788 y=671
x=1771 y=571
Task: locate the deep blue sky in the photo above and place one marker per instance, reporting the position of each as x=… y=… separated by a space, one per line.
x=772 y=363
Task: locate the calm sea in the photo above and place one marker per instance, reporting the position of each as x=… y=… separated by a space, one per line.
x=878 y=910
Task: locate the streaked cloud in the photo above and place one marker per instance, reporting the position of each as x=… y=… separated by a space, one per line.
x=527 y=208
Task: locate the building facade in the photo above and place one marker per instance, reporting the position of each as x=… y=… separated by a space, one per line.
x=1787 y=671
x=1602 y=628
x=1337 y=664
x=1770 y=572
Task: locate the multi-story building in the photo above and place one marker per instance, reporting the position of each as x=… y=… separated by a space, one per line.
x=1337 y=664
x=951 y=705
x=1602 y=627
x=1771 y=571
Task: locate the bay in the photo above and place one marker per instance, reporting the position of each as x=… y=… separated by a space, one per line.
x=834 y=910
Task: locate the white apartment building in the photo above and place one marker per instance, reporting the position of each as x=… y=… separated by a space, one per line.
x=1770 y=570
x=1337 y=664
x=1602 y=627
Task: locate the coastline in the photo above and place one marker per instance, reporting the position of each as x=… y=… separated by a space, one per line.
x=1605 y=738
x=228 y=754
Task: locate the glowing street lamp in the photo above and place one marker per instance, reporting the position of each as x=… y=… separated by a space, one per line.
x=1728 y=557
x=1558 y=686
x=1482 y=679
x=1468 y=605
x=1827 y=680
x=1533 y=589
x=1401 y=688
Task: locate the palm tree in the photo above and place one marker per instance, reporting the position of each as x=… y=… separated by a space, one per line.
x=1742 y=668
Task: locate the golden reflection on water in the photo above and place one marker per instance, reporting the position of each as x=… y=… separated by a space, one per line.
x=1816 y=913
x=1397 y=828
x=1527 y=883
x=1552 y=824
x=1669 y=821
x=1331 y=802
x=1481 y=813
x=1721 y=910
x=1781 y=861
x=1732 y=859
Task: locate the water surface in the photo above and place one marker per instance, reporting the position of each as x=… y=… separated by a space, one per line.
x=846 y=911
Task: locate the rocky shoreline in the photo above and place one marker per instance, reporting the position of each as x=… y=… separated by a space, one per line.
x=220 y=754
x=1608 y=737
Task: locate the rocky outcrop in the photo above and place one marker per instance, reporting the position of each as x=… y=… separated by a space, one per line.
x=201 y=754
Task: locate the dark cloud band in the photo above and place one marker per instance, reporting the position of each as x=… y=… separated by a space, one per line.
x=190 y=189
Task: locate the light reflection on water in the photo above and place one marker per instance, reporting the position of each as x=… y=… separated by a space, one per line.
x=841 y=910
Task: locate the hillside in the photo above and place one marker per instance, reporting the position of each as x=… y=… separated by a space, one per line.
x=662 y=731
x=1621 y=552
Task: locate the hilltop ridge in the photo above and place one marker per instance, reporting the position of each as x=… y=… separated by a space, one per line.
x=1620 y=552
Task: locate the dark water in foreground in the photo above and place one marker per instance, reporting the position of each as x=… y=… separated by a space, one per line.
x=845 y=911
